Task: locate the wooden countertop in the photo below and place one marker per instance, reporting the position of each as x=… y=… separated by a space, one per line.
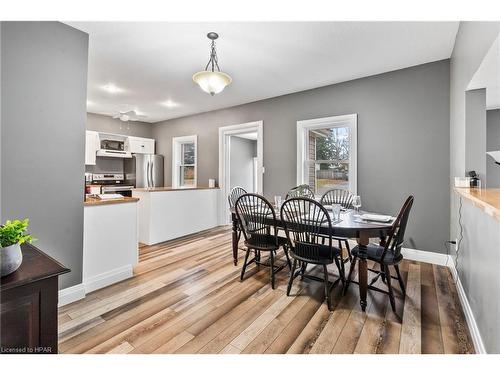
x=169 y=188
x=101 y=202
x=486 y=199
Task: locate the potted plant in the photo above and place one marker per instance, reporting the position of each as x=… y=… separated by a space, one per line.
x=12 y=236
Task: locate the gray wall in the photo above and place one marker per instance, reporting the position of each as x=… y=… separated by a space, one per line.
x=107 y=124
x=43 y=100
x=241 y=162
x=472 y=43
x=475 y=132
x=403 y=142
x=492 y=144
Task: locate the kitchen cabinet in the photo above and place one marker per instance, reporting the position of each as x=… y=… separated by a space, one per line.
x=92 y=145
x=138 y=145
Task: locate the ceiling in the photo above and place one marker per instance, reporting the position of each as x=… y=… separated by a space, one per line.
x=152 y=63
x=488 y=76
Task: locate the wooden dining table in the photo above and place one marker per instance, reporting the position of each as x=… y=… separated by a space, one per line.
x=350 y=226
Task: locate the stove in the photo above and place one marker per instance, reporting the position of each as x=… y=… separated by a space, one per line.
x=112 y=183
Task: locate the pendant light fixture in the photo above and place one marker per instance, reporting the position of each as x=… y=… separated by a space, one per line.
x=212 y=80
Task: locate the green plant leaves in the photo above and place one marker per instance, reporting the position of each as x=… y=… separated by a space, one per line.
x=14 y=232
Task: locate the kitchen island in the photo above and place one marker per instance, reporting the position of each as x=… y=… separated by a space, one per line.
x=110 y=241
x=166 y=213
x=478 y=262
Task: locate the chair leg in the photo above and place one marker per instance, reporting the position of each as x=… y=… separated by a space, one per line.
x=400 y=279
x=290 y=282
x=303 y=270
x=351 y=270
x=271 y=258
x=340 y=267
x=327 y=287
x=348 y=250
x=389 y=286
x=245 y=264
x=382 y=273
x=285 y=249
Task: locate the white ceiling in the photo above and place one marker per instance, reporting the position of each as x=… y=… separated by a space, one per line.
x=488 y=76
x=154 y=62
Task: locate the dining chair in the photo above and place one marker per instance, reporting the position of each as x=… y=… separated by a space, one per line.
x=258 y=223
x=307 y=224
x=344 y=198
x=387 y=254
x=233 y=196
x=300 y=191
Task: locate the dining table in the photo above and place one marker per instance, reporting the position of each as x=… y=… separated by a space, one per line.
x=350 y=225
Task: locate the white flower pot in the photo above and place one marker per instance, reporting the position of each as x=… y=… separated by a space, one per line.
x=11 y=258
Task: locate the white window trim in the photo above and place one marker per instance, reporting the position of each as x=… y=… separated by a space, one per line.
x=304 y=126
x=176 y=150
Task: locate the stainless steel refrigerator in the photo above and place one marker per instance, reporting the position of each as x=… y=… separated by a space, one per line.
x=144 y=170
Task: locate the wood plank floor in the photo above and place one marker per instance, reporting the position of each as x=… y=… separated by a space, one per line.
x=186 y=297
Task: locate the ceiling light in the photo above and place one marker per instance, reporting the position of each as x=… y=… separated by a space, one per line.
x=111 y=88
x=170 y=104
x=210 y=80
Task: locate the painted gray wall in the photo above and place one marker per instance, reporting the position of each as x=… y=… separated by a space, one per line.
x=107 y=124
x=241 y=162
x=472 y=43
x=403 y=142
x=492 y=144
x=43 y=100
x=475 y=132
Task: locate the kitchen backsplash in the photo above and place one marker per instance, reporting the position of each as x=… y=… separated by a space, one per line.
x=105 y=165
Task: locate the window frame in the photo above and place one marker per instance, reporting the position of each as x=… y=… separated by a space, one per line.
x=303 y=128
x=178 y=160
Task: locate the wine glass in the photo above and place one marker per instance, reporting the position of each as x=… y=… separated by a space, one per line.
x=356 y=202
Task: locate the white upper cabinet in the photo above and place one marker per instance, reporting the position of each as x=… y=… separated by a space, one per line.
x=137 y=145
x=92 y=145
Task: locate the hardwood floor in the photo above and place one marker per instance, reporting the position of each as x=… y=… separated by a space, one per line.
x=186 y=297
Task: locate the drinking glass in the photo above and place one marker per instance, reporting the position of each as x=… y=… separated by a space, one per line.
x=356 y=202
x=277 y=201
x=336 y=212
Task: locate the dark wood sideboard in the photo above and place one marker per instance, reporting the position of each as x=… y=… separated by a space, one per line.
x=28 y=304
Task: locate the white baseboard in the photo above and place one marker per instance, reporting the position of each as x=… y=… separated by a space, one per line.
x=425 y=256
x=469 y=316
x=447 y=260
x=71 y=294
x=108 y=278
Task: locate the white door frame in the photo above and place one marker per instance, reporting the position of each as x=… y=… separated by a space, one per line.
x=304 y=126
x=225 y=134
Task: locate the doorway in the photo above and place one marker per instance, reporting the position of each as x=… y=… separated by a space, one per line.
x=240 y=162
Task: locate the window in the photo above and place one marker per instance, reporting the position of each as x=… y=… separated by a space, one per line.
x=184 y=161
x=326 y=153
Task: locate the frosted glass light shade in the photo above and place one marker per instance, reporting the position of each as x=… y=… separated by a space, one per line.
x=212 y=82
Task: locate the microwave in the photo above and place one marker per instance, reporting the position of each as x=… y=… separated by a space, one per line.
x=112 y=145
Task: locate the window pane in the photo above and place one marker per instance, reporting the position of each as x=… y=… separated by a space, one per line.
x=187 y=176
x=329 y=159
x=187 y=153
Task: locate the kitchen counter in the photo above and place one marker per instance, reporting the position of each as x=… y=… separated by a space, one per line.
x=166 y=213
x=110 y=241
x=99 y=202
x=169 y=188
x=488 y=200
